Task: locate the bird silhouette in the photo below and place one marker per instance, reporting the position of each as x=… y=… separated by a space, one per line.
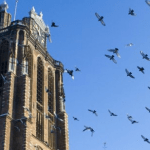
x=115 y=51
x=89 y=128
x=56 y=116
x=75 y=118
x=54 y=25
x=93 y=111
x=145 y=139
x=148 y=109
x=129 y=117
x=4 y=79
x=129 y=73
x=129 y=45
x=77 y=69
x=132 y=121
x=47 y=90
x=131 y=12
x=100 y=18
x=147 y=2
x=141 y=69
x=111 y=58
x=70 y=72
x=145 y=56
x=111 y=113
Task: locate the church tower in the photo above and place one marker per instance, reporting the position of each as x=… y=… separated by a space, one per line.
x=32 y=107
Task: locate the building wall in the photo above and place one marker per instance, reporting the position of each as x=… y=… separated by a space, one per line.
x=21 y=90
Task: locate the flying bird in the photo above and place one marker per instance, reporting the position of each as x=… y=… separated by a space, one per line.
x=77 y=69
x=145 y=56
x=132 y=121
x=129 y=117
x=115 y=51
x=89 y=128
x=148 y=109
x=145 y=139
x=111 y=58
x=47 y=90
x=93 y=111
x=4 y=79
x=75 y=118
x=141 y=69
x=129 y=45
x=56 y=116
x=129 y=73
x=131 y=12
x=100 y=18
x=148 y=2
x=29 y=112
x=70 y=72
x=54 y=25
x=111 y=113
x=148 y=87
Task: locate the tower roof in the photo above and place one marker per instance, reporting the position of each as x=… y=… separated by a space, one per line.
x=4 y=6
x=39 y=20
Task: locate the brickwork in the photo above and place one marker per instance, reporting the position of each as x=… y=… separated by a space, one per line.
x=19 y=96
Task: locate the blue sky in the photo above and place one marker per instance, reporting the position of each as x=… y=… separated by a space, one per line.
x=82 y=41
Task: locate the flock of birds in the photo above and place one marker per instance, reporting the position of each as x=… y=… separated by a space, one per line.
x=70 y=72
x=112 y=57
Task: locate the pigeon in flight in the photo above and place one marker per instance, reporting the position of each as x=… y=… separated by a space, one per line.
x=47 y=90
x=141 y=69
x=29 y=112
x=4 y=114
x=4 y=79
x=77 y=69
x=131 y=12
x=57 y=117
x=75 y=118
x=148 y=87
x=111 y=113
x=21 y=120
x=89 y=128
x=145 y=56
x=129 y=73
x=129 y=45
x=111 y=58
x=145 y=139
x=70 y=72
x=56 y=128
x=115 y=51
x=129 y=117
x=148 y=2
x=54 y=25
x=47 y=117
x=132 y=121
x=17 y=128
x=148 y=109
x=100 y=18
x=93 y=111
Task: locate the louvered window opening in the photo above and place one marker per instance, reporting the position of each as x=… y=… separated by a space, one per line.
x=4 y=57
x=50 y=134
x=51 y=89
x=28 y=57
x=40 y=117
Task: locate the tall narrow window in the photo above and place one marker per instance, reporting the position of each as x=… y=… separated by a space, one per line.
x=51 y=89
x=40 y=103
x=28 y=67
x=4 y=58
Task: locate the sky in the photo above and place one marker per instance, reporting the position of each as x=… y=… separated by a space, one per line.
x=82 y=41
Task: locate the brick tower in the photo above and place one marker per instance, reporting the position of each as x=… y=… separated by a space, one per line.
x=32 y=110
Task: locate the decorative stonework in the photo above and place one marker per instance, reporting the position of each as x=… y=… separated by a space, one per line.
x=4 y=6
x=39 y=20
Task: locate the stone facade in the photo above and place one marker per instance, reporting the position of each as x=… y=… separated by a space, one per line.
x=27 y=120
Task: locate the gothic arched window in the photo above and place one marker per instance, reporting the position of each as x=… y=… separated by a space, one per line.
x=51 y=89
x=40 y=102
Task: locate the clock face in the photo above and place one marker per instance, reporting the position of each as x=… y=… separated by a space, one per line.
x=38 y=33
